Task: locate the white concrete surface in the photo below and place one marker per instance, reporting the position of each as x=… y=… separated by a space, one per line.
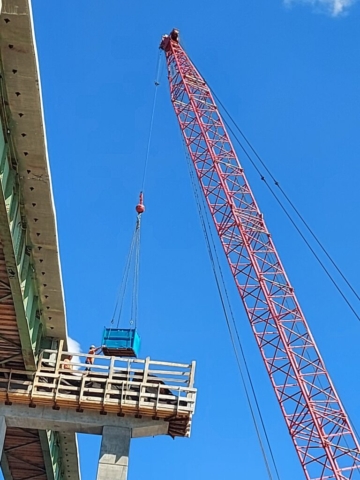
x=70 y=421
x=114 y=453
x=23 y=87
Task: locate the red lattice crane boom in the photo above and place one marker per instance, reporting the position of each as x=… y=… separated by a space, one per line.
x=318 y=424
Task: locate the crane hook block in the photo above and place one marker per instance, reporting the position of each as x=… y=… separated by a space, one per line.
x=140 y=207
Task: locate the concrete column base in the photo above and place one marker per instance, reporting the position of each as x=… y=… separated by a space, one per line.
x=114 y=453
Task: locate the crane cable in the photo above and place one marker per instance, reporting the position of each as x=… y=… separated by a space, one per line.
x=309 y=247
x=227 y=310
x=297 y=228
x=292 y=221
x=151 y=126
x=291 y=203
x=298 y=213
x=135 y=296
x=134 y=251
x=286 y=211
x=132 y=260
x=226 y=304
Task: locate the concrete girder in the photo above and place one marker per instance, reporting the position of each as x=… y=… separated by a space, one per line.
x=70 y=421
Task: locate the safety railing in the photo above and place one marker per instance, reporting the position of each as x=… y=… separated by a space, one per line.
x=125 y=386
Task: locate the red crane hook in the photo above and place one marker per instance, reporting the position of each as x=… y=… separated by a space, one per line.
x=140 y=207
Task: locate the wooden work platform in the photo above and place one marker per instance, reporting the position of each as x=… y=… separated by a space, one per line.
x=121 y=386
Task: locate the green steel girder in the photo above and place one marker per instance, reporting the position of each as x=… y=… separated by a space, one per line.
x=17 y=254
x=53 y=456
x=22 y=280
x=17 y=247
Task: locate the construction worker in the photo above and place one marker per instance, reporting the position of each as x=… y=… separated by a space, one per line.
x=92 y=351
x=66 y=363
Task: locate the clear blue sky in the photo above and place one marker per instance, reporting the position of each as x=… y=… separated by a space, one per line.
x=290 y=75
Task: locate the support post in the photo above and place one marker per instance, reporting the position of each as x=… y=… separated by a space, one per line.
x=114 y=453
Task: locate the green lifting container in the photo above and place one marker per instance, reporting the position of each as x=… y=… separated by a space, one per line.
x=120 y=342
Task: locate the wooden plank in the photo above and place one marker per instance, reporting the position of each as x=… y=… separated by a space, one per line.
x=98 y=392
x=192 y=374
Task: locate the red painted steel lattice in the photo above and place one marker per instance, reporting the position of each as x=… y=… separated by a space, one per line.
x=317 y=422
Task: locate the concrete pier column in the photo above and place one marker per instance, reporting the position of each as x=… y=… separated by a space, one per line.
x=114 y=453
x=2 y=434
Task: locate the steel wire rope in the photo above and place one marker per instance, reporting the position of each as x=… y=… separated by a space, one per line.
x=262 y=177
x=238 y=338
x=136 y=236
x=307 y=243
x=135 y=297
x=312 y=251
x=291 y=203
x=301 y=235
x=297 y=228
x=208 y=233
x=157 y=83
x=122 y=288
x=226 y=305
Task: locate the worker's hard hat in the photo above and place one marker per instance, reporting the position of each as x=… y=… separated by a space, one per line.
x=92 y=346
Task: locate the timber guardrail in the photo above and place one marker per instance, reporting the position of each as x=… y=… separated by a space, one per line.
x=125 y=386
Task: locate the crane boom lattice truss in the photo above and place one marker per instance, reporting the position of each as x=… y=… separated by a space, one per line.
x=319 y=427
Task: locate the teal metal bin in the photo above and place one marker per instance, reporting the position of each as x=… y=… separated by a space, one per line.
x=120 y=342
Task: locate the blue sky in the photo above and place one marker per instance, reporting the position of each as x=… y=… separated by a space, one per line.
x=289 y=73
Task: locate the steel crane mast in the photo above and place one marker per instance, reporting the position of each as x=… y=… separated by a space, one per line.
x=318 y=424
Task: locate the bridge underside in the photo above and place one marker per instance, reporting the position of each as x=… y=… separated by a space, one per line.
x=10 y=345
x=23 y=453
x=23 y=456
x=31 y=297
